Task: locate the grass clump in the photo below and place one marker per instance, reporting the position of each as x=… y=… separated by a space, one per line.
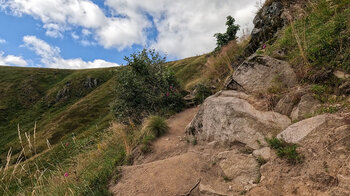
x=153 y=127
x=285 y=150
x=156 y=125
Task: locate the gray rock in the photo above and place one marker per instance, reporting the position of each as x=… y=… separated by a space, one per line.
x=259 y=73
x=298 y=131
x=91 y=82
x=225 y=118
x=308 y=105
x=286 y=104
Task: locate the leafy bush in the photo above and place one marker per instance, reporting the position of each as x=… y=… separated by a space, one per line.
x=285 y=150
x=201 y=93
x=145 y=86
x=223 y=39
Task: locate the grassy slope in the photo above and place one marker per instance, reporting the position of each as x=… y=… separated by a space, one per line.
x=29 y=96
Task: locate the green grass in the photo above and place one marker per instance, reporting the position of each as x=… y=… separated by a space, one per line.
x=188 y=70
x=318 y=41
x=285 y=150
x=30 y=96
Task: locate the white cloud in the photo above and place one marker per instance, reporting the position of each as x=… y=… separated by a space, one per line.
x=75 y=36
x=12 y=60
x=85 y=32
x=50 y=56
x=185 y=27
x=2 y=41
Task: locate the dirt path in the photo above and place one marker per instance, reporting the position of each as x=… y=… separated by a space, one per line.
x=173 y=167
x=174 y=142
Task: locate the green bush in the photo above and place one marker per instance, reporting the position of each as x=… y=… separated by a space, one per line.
x=145 y=86
x=223 y=39
x=285 y=150
x=201 y=93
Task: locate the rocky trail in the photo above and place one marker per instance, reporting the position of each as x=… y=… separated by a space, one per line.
x=220 y=148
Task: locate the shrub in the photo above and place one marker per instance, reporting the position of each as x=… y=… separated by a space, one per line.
x=285 y=150
x=145 y=86
x=201 y=93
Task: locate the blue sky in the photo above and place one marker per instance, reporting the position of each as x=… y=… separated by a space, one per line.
x=79 y=34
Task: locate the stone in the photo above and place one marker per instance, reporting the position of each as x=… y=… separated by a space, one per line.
x=260 y=73
x=264 y=153
x=228 y=119
x=308 y=105
x=286 y=104
x=341 y=75
x=240 y=168
x=298 y=131
x=208 y=190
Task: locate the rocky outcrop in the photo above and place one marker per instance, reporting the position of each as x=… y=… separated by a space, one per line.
x=230 y=119
x=260 y=73
x=266 y=23
x=91 y=82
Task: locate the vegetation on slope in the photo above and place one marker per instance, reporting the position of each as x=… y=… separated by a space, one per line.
x=318 y=42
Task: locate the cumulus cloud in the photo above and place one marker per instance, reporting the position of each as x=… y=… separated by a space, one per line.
x=12 y=60
x=50 y=56
x=184 y=27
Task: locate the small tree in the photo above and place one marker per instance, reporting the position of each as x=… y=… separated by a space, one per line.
x=224 y=38
x=145 y=86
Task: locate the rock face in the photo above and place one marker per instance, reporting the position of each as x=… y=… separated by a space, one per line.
x=91 y=82
x=260 y=73
x=231 y=119
x=307 y=106
x=266 y=23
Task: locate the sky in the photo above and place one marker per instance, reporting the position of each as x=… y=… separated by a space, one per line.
x=79 y=34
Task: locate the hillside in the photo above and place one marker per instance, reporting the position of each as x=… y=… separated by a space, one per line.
x=277 y=124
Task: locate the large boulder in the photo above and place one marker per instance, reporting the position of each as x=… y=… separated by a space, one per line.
x=230 y=119
x=260 y=73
